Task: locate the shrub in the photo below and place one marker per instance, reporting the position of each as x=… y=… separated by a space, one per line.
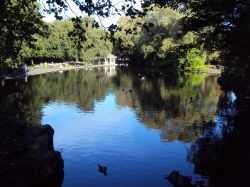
x=192 y=61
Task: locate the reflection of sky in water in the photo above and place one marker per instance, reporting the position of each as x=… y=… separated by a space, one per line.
x=112 y=136
x=231 y=97
x=221 y=120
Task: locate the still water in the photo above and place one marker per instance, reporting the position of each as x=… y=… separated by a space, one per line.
x=140 y=125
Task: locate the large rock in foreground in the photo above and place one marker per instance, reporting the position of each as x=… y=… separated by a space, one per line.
x=28 y=158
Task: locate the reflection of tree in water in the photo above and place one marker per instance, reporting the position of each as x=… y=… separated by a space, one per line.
x=176 y=106
x=183 y=110
x=25 y=101
x=19 y=101
x=177 y=109
x=78 y=87
x=223 y=150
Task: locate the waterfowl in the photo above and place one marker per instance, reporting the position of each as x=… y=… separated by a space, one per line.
x=103 y=169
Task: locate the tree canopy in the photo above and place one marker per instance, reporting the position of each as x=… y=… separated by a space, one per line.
x=157 y=39
x=62 y=42
x=19 y=21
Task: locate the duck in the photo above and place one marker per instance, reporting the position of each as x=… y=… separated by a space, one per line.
x=103 y=169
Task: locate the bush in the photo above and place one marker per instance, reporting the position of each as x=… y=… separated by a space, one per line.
x=192 y=61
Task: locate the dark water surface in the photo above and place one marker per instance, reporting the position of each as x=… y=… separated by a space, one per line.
x=140 y=125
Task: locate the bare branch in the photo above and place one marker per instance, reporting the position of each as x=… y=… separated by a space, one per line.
x=70 y=7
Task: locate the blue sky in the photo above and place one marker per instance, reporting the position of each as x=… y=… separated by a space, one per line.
x=104 y=21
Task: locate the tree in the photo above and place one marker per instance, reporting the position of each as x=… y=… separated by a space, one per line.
x=19 y=21
x=89 y=41
x=156 y=39
x=192 y=60
x=63 y=42
x=125 y=39
x=221 y=25
x=59 y=44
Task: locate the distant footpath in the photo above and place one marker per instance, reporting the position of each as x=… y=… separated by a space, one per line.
x=44 y=68
x=57 y=67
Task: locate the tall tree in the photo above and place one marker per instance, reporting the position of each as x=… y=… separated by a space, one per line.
x=222 y=25
x=19 y=21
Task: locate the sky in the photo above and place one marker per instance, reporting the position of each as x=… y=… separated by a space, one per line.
x=103 y=21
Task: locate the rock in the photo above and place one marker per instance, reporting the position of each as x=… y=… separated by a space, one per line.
x=41 y=142
x=37 y=164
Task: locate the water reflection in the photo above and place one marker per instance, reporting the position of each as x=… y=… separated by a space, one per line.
x=178 y=110
x=26 y=100
x=222 y=151
x=141 y=129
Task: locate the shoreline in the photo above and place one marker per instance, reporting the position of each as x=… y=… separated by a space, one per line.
x=44 y=70
x=47 y=68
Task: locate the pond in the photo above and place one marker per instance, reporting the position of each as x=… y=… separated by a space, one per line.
x=141 y=125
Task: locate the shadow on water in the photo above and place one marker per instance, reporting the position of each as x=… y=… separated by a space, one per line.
x=27 y=155
x=178 y=180
x=222 y=152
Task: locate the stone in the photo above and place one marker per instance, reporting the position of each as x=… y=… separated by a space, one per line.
x=37 y=164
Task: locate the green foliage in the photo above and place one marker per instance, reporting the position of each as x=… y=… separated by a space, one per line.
x=154 y=37
x=124 y=39
x=19 y=21
x=222 y=26
x=150 y=37
x=156 y=40
x=96 y=45
x=214 y=57
x=147 y=50
x=192 y=61
x=63 y=42
x=162 y=37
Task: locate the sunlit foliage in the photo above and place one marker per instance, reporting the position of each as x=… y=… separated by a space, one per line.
x=156 y=39
x=64 y=43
